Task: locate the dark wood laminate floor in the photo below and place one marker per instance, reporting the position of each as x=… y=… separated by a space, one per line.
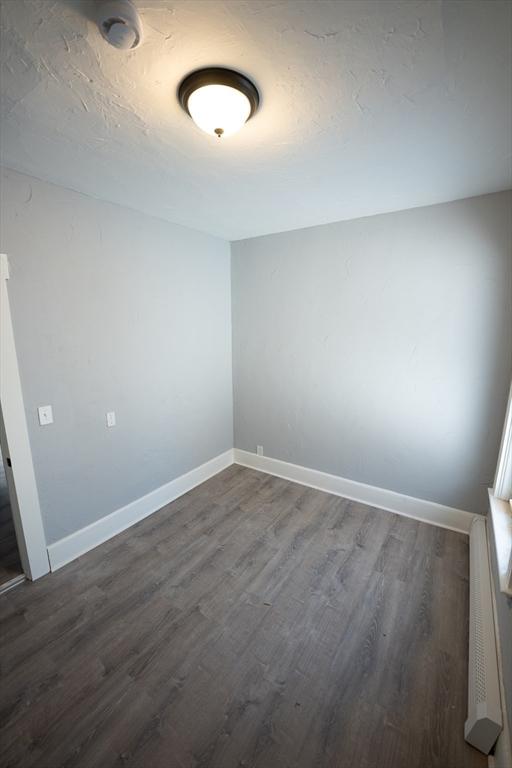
x=253 y=622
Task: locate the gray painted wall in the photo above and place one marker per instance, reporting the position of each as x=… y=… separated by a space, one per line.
x=379 y=349
x=114 y=310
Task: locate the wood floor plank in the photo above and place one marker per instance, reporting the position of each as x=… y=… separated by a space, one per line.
x=252 y=622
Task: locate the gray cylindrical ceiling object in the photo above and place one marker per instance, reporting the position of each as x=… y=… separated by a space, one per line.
x=120 y=23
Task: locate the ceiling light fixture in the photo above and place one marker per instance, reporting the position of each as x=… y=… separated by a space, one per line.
x=219 y=101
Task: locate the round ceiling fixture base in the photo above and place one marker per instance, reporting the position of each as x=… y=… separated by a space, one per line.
x=219 y=100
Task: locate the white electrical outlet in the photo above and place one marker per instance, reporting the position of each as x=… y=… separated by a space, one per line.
x=259 y=450
x=45 y=414
x=111 y=419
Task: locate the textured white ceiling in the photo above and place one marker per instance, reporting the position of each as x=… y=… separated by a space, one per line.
x=368 y=106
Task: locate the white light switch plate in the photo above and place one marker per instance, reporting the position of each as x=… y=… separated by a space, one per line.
x=45 y=414
x=111 y=419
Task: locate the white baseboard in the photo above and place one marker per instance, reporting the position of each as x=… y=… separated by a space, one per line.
x=76 y=544
x=8 y=585
x=502 y=757
x=69 y=548
x=419 y=509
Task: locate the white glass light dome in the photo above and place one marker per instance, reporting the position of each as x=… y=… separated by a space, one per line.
x=218 y=100
x=219 y=109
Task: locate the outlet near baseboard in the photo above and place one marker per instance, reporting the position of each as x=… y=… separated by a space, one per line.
x=259 y=450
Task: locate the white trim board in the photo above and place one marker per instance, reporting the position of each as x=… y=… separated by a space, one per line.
x=501 y=519
x=15 y=582
x=419 y=509
x=503 y=480
x=67 y=549
x=26 y=510
x=502 y=753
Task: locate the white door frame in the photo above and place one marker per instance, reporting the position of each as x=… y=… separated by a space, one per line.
x=26 y=511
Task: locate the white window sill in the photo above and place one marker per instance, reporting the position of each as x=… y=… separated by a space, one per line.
x=501 y=516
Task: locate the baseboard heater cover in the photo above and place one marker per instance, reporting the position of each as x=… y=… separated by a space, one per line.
x=484 y=722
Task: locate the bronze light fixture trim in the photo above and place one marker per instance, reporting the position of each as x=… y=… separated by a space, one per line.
x=219 y=100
